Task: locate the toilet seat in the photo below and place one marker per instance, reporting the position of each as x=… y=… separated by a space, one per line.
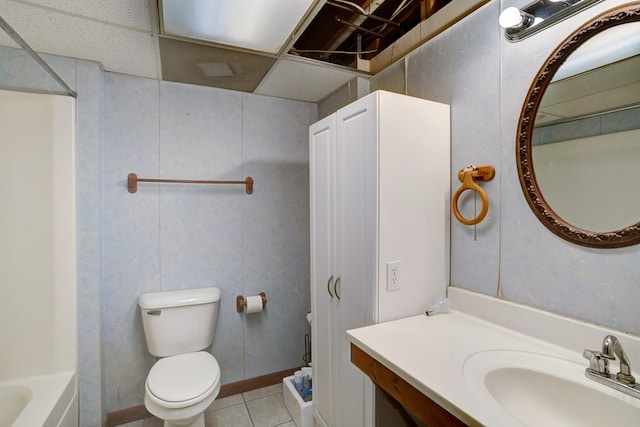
x=183 y=380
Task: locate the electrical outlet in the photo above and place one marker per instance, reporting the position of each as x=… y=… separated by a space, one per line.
x=393 y=276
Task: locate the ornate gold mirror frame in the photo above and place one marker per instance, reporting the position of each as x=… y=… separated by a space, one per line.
x=614 y=239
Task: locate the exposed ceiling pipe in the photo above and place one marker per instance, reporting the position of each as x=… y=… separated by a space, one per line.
x=359 y=20
x=359 y=28
x=363 y=12
x=352 y=4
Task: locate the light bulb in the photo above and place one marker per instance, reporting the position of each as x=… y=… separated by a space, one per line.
x=512 y=17
x=440 y=306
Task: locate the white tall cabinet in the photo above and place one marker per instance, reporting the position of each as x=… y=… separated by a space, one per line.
x=380 y=192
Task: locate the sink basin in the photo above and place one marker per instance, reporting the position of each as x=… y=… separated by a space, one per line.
x=541 y=390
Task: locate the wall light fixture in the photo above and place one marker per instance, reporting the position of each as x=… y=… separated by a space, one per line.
x=535 y=17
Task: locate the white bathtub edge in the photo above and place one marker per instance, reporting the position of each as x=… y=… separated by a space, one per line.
x=52 y=398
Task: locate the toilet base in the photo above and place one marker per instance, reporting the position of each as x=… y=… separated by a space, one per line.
x=198 y=422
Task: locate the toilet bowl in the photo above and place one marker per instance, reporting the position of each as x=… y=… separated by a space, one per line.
x=179 y=326
x=180 y=388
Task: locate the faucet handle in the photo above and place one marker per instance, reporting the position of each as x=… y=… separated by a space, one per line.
x=598 y=362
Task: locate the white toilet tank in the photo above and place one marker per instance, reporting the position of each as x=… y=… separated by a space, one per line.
x=177 y=322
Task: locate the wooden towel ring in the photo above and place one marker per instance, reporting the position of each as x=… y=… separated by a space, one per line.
x=468 y=176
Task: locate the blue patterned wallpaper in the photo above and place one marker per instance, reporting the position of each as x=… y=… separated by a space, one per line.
x=88 y=199
x=176 y=236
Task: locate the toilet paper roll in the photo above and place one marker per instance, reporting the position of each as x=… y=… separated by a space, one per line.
x=254 y=304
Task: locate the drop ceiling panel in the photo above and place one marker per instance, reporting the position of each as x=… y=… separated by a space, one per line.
x=119 y=48
x=601 y=79
x=264 y=25
x=127 y=13
x=602 y=89
x=609 y=100
x=296 y=79
x=189 y=63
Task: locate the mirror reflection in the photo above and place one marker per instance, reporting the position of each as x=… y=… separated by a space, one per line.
x=585 y=144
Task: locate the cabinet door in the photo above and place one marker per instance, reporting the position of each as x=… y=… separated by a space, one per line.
x=322 y=194
x=356 y=183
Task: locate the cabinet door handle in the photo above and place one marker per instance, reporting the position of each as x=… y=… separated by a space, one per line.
x=329 y=286
x=335 y=288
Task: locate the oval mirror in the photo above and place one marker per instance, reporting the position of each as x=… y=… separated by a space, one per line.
x=578 y=144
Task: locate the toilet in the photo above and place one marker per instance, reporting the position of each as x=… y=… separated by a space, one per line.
x=178 y=327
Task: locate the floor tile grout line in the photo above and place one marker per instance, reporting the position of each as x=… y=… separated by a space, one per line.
x=245 y=402
x=277 y=389
x=249 y=412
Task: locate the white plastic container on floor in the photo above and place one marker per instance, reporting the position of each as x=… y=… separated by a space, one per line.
x=301 y=412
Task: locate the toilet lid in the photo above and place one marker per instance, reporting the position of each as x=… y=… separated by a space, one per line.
x=183 y=377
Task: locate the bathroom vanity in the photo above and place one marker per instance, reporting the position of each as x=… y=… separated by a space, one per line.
x=492 y=362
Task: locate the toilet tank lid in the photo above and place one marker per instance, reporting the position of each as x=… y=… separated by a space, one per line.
x=155 y=300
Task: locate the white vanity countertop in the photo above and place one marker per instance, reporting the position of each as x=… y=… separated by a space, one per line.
x=429 y=352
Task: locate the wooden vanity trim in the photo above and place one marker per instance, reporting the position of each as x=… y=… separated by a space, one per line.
x=425 y=409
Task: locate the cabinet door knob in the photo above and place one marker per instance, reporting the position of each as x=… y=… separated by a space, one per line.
x=335 y=288
x=329 y=286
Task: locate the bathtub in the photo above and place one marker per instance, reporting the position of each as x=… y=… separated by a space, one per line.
x=47 y=401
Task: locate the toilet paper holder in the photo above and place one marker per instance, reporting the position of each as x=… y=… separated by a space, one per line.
x=241 y=302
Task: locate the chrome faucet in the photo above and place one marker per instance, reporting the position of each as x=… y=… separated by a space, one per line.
x=611 y=348
x=598 y=369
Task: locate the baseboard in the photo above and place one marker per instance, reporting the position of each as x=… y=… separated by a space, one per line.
x=254 y=383
x=135 y=413
x=125 y=416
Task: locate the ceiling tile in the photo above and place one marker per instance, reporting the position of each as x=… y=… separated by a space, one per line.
x=180 y=63
x=263 y=26
x=294 y=78
x=118 y=48
x=127 y=13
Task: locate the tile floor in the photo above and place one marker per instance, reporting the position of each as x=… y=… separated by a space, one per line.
x=263 y=407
